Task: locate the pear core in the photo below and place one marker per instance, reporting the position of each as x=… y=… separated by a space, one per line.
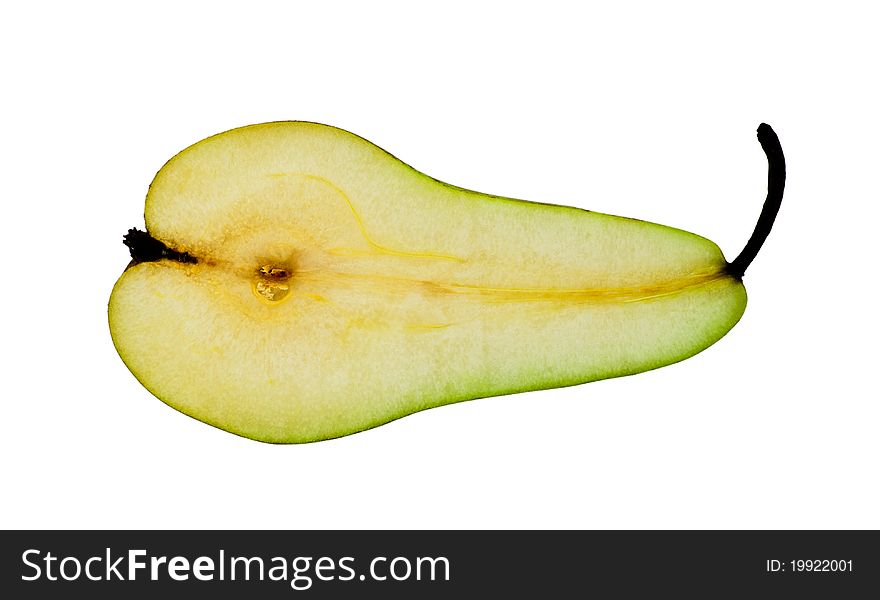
x=272 y=283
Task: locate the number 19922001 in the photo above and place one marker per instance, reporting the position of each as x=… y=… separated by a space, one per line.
x=817 y=565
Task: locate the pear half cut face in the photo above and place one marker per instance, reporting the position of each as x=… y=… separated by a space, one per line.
x=333 y=288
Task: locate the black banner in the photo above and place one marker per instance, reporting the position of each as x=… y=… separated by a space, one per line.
x=437 y=564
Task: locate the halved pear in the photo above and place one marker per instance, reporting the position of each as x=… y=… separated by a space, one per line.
x=299 y=283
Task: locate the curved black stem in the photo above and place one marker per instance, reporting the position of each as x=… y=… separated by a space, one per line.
x=775 y=186
x=145 y=248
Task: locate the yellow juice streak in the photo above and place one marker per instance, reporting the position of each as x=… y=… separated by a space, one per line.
x=625 y=294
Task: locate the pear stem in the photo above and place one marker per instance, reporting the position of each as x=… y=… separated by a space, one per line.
x=145 y=248
x=775 y=186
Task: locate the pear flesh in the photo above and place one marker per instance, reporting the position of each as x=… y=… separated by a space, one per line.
x=330 y=288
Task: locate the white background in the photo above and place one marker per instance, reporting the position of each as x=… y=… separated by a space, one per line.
x=640 y=109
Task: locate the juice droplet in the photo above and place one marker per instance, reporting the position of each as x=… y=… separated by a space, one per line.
x=271 y=290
